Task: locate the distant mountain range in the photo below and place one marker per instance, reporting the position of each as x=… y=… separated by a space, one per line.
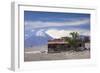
x=34 y=40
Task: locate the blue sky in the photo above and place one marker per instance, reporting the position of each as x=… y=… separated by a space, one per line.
x=55 y=24
x=53 y=16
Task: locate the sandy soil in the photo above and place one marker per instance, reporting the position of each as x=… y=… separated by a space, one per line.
x=56 y=56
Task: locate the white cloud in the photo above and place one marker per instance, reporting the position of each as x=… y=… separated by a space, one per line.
x=55 y=33
x=32 y=30
x=40 y=33
x=40 y=24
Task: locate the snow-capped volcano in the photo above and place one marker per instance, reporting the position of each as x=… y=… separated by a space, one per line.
x=37 y=39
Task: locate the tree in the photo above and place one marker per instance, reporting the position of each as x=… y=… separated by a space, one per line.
x=73 y=41
x=74 y=35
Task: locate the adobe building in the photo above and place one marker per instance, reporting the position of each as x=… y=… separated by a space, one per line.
x=57 y=45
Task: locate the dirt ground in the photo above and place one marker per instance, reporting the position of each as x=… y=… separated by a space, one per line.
x=57 y=56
